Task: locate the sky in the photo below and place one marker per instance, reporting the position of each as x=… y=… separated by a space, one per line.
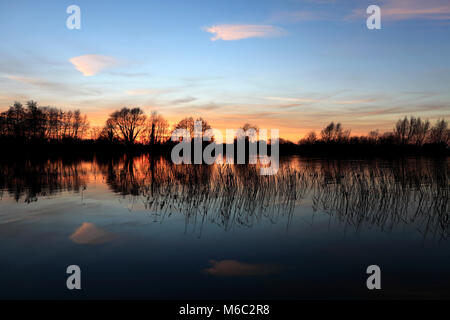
x=292 y=65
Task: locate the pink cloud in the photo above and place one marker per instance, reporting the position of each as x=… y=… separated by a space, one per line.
x=236 y=268
x=92 y=64
x=230 y=32
x=411 y=9
x=89 y=233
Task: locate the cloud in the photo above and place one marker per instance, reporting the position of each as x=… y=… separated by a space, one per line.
x=354 y=101
x=145 y=91
x=230 y=32
x=130 y=74
x=50 y=87
x=303 y=15
x=395 y=10
x=33 y=81
x=92 y=64
x=89 y=233
x=286 y=99
x=183 y=100
x=392 y=10
x=324 y=100
x=236 y=268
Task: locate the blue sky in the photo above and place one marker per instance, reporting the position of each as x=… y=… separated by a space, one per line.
x=294 y=65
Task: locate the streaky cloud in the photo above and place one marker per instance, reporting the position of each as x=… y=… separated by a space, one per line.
x=397 y=10
x=229 y=32
x=88 y=233
x=237 y=268
x=146 y=91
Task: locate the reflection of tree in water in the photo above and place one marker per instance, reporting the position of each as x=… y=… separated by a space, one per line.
x=373 y=193
x=368 y=193
x=225 y=195
x=36 y=178
x=381 y=194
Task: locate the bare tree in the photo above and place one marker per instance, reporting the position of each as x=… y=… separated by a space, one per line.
x=95 y=132
x=403 y=131
x=334 y=133
x=189 y=123
x=420 y=130
x=373 y=136
x=129 y=123
x=310 y=138
x=440 y=133
x=157 y=128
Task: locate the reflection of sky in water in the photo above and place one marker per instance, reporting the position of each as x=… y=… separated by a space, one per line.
x=307 y=246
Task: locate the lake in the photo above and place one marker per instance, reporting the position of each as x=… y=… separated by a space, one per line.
x=141 y=227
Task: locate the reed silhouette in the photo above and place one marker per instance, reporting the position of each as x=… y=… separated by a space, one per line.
x=382 y=194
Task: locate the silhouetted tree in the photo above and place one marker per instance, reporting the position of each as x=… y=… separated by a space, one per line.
x=310 y=138
x=189 y=123
x=128 y=124
x=41 y=123
x=334 y=133
x=157 y=128
x=440 y=133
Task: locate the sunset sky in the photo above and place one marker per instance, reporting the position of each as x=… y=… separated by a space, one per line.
x=294 y=65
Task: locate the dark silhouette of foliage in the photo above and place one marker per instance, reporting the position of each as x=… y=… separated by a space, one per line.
x=131 y=128
x=127 y=124
x=41 y=123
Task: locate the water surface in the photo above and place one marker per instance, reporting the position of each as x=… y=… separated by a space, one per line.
x=141 y=227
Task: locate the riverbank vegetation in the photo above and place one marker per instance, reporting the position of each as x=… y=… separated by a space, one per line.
x=50 y=129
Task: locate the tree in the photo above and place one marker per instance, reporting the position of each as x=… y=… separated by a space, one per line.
x=249 y=126
x=3 y=125
x=373 y=136
x=108 y=132
x=403 y=131
x=15 y=119
x=310 y=138
x=128 y=123
x=42 y=123
x=327 y=132
x=157 y=128
x=189 y=124
x=440 y=133
x=420 y=130
x=412 y=130
x=95 y=132
x=35 y=121
x=334 y=133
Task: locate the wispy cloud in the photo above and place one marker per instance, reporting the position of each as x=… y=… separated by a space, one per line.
x=237 y=268
x=92 y=64
x=50 y=87
x=303 y=15
x=32 y=81
x=89 y=233
x=395 y=10
x=145 y=91
x=354 y=101
x=324 y=100
x=230 y=32
x=287 y=99
x=408 y=9
x=183 y=100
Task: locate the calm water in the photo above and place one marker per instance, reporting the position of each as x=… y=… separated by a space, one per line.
x=143 y=228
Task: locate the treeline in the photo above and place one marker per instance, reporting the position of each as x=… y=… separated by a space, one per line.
x=410 y=136
x=407 y=131
x=130 y=127
x=34 y=123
